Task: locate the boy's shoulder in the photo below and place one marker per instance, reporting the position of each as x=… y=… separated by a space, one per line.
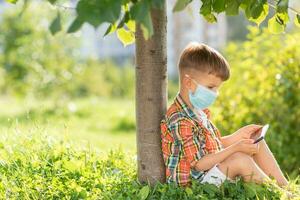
x=175 y=115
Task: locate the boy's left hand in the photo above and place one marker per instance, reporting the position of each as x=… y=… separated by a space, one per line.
x=249 y=131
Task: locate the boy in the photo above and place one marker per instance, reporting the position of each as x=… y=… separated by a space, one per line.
x=192 y=146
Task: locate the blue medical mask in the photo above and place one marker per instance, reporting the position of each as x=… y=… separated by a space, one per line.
x=202 y=97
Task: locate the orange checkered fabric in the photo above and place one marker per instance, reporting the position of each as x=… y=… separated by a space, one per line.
x=185 y=139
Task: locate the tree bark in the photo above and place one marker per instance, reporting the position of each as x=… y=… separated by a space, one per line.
x=151 y=97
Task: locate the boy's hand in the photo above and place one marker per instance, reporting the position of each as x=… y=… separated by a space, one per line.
x=246 y=146
x=249 y=131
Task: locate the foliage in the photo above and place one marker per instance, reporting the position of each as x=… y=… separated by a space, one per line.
x=264 y=88
x=31 y=59
x=122 y=14
x=105 y=78
x=33 y=62
x=39 y=167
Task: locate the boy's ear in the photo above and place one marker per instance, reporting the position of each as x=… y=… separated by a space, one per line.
x=187 y=82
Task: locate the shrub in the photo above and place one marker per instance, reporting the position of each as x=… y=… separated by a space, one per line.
x=264 y=88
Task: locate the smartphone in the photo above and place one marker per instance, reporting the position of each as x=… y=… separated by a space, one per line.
x=262 y=134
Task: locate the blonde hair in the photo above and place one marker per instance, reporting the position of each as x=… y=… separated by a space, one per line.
x=205 y=59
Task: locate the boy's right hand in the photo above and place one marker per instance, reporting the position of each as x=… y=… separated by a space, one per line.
x=246 y=146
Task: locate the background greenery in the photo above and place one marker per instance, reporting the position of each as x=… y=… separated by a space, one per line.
x=49 y=91
x=264 y=88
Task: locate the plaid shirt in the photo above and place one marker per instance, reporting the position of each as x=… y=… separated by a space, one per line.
x=184 y=140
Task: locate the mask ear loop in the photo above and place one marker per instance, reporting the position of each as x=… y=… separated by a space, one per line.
x=188 y=76
x=192 y=79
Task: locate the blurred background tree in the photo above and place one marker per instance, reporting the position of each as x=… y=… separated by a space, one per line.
x=34 y=63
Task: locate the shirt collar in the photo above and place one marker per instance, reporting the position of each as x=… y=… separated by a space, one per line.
x=182 y=105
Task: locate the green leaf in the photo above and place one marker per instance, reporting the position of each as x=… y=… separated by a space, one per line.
x=124 y=19
x=75 y=25
x=180 y=5
x=297 y=20
x=131 y=25
x=211 y=18
x=256 y=9
x=56 y=24
x=210 y=189
x=245 y=4
x=206 y=7
x=111 y=28
x=250 y=190
x=144 y=192
x=126 y=37
x=96 y=12
x=218 y=6
x=262 y=16
x=12 y=1
x=232 y=7
x=282 y=18
x=282 y=6
x=274 y=26
x=147 y=27
x=253 y=8
x=52 y=1
x=141 y=13
x=189 y=191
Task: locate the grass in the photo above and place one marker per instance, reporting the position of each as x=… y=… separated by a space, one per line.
x=38 y=166
x=103 y=123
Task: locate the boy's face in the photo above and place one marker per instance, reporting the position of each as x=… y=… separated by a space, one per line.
x=210 y=81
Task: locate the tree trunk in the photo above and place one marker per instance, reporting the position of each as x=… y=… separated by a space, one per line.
x=151 y=97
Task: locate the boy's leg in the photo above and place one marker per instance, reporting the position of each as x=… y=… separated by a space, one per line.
x=240 y=164
x=266 y=161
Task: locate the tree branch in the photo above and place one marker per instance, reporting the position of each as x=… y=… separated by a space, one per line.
x=292 y=9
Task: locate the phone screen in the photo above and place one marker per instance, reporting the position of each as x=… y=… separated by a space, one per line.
x=263 y=133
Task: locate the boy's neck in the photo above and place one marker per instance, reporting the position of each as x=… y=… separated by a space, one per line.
x=185 y=97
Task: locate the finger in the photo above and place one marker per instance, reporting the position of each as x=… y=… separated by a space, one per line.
x=249 y=141
x=257 y=148
x=256 y=127
x=254 y=148
x=251 y=149
x=254 y=151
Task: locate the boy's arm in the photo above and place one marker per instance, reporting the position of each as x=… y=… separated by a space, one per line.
x=209 y=160
x=245 y=132
x=230 y=139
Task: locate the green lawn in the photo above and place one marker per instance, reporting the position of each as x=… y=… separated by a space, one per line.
x=104 y=124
